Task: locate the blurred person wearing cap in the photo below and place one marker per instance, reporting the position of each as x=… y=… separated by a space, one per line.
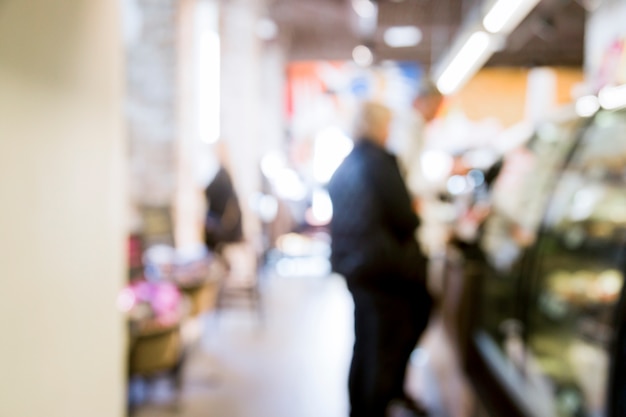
x=374 y=248
x=408 y=138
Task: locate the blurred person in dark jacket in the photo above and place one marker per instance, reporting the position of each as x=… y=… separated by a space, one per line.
x=223 y=221
x=374 y=248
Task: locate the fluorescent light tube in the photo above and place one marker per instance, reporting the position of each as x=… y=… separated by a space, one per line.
x=505 y=15
x=587 y=106
x=266 y=29
x=612 y=98
x=469 y=58
x=402 y=36
x=365 y=8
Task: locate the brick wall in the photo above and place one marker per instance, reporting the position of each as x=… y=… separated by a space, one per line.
x=160 y=106
x=151 y=102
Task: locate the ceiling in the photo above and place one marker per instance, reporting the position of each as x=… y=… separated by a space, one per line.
x=553 y=34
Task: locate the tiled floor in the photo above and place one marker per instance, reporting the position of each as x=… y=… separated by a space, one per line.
x=292 y=362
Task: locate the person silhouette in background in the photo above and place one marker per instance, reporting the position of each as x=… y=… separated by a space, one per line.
x=374 y=248
x=408 y=144
x=409 y=137
x=223 y=223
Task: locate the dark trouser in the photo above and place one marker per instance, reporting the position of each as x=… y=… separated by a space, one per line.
x=387 y=329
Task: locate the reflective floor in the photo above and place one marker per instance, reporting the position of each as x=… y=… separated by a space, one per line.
x=290 y=361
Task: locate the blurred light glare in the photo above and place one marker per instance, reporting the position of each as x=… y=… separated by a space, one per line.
x=584 y=203
x=469 y=58
x=477 y=177
x=289 y=186
x=403 y=36
x=321 y=207
x=612 y=98
x=207 y=73
x=126 y=300
x=587 y=106
x=499 y=14
x=268 y=208
x=365 y=8
x=315 y=266
x=330 y=149
x=436 y=165
x=480 y=158
x=457 y=184
x=265 y=205
x=420 y=357
x=611 y=281
x=363 y=56
x=266 y=29
x=272 y=164
x=293 y=244
x=505 y=15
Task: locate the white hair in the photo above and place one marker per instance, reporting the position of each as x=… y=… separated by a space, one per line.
x=370 y=119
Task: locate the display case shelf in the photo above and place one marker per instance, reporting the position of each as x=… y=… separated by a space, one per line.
x=553 y=313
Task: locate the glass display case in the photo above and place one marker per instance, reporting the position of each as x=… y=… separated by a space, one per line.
x=519 y=199
x=578 y=274
x=550 y=315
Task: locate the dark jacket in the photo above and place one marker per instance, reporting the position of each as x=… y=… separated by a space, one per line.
x=373 y=225
x=223 y=222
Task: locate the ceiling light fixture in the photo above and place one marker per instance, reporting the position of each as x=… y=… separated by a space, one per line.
x=613 y=98
x=587 y=106
x=505 y=15
x=402 y=36
x=472 y=55
x=365 y=8
x=363 y=56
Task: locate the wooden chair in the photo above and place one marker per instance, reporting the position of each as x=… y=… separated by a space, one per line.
x=240 y=286
x=201 y=286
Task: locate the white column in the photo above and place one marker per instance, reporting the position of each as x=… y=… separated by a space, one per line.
x=188 y=191
x=241 y=100
x=540 y=94
x=273 y=98
x=62 y=222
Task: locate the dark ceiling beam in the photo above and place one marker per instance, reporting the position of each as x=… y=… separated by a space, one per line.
x=543 y=37
x=323 y=29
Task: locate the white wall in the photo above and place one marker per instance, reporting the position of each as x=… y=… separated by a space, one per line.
x=61 y=216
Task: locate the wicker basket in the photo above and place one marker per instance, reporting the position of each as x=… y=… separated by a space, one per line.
x=156 y=350
x=202 y=297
